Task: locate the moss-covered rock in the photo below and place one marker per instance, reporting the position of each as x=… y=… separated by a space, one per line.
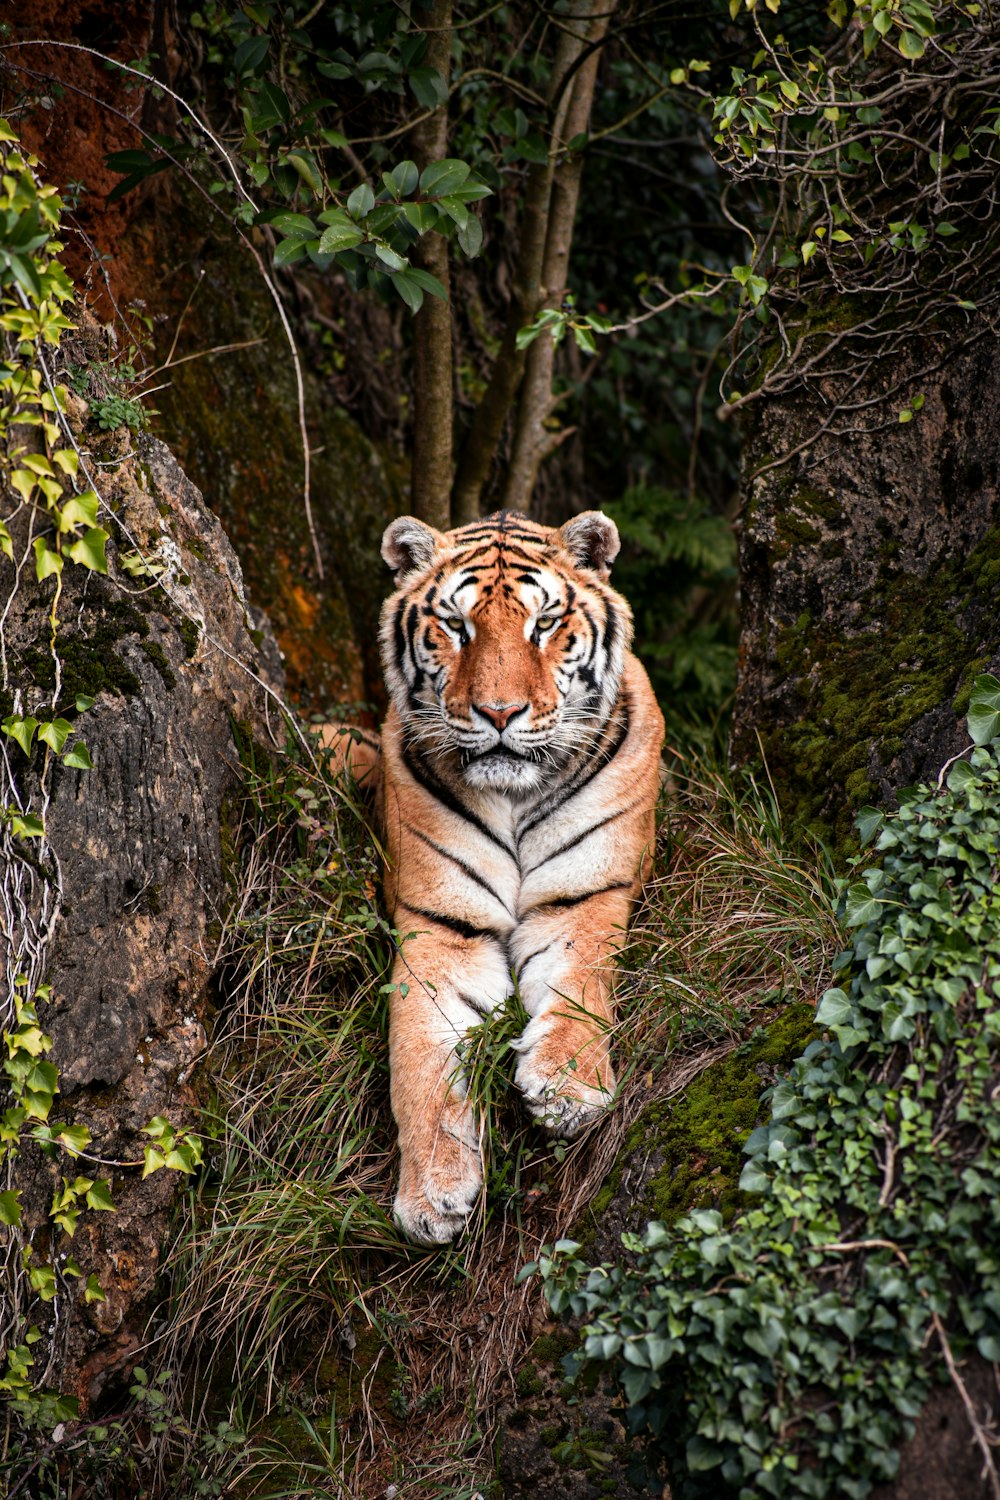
x=870 y=564
x=686 y=1152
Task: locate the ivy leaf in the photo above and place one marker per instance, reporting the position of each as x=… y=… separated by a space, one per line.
x=75 y=1138
x=99 y=1197
x=92 y=1291
x=21 y=730
x=10 y=1209
x=47 y=562
x=701 y=1454
x=78 y=759
x=984 y=709
x=55 y=733
x=868 y=822
x=88 y=550
x=861 y=906
x=834 y=1009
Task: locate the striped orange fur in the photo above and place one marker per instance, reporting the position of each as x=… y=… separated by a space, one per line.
x=519 y=776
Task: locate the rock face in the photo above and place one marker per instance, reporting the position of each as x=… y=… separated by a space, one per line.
x=869 y=566
x=175 y=665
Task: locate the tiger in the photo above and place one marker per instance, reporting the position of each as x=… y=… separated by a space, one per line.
x=518 y=779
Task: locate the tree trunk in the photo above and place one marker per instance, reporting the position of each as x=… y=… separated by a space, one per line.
x=431 y=471
x=532 y=439
x=528 y=291
x=870 y=564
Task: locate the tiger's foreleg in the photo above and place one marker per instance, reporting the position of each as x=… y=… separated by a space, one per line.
x=444 y=983
x=564 y=969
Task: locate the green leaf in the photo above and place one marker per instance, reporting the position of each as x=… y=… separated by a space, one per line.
x=868 y=822
x=701 y=1454
x=289 y=251
x=428 y=282
x=99 y=1197
x=47 y=562
x=470 y=236
x=340 y=237
x=251 y=53
x=361 y=201
x=79 y=510
x=55 y=733
x=10 y=1209
x=88 y=550
x=75 y=1138
x=410 y=291
x=911 y=45
x=421 y=216
x=78 y=759
x=984 y=709
x=443 y=177
x=429 y=87
x=92 y=1291
x=834 y=1009
x=20 y=730
x=43 y=1280
x=861 y=906
x=390 y=258
x=299 y=226
x=960 y=776
x=83 y=703
x=153 y=1160
x=406 y=178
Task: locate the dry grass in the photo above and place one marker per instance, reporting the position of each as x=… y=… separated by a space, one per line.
x=291 y=1256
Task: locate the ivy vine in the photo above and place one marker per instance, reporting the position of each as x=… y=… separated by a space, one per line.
x=51 y=520
x=789 y=1352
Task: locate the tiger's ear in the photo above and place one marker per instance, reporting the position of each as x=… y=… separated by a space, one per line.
x=591 y=539
x=408 y=546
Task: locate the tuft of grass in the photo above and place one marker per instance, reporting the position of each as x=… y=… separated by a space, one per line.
x=296 y=1301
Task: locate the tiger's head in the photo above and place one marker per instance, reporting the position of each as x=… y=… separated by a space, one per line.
x=503 y=645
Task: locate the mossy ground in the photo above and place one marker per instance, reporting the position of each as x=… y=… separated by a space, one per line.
x=697 y=1139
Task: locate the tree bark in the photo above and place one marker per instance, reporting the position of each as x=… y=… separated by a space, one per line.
x=528 y=284
x=869 y=565
x=433 y=414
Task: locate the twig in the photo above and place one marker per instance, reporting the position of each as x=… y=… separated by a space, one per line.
x=983 y=1441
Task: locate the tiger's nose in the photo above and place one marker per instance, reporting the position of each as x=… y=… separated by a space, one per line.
x=499 y=714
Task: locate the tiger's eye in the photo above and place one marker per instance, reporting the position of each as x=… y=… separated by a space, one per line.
x=454 y=623
x=546 y=622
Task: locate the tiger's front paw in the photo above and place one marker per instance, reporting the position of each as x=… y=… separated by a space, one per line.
x=432 y=1207
x=564 y=1074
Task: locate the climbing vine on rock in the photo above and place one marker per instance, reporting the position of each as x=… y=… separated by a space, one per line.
x=50 y=521
x=789 y=1353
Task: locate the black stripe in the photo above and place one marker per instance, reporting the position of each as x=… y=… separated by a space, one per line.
x=531 y=956
x=579 y=838
x=466 y=869
x=453 y=924
x=564 y=901
x=430 y=784
x=399 y=639
x=571 y=790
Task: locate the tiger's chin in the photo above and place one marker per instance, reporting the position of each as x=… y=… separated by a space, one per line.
x=500 y=772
